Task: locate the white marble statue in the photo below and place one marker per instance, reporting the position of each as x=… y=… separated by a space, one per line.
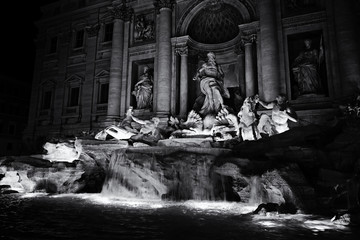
x=281 y=112
x=63 y=151
x=248 y=120
x=211 y=78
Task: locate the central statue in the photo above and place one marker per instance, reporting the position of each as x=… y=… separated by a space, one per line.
x=211 y=78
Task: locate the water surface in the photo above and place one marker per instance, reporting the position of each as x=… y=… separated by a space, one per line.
x=93 y=216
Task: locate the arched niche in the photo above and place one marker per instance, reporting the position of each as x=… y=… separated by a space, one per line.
x=245 y=9
x=226 y=51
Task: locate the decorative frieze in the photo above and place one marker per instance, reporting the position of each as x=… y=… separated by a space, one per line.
x=306 y=19
x=119 y=10
x=143 y=52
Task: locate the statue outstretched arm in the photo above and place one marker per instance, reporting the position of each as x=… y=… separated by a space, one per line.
x=292 y=116
x=266 y=105
x=142 y=122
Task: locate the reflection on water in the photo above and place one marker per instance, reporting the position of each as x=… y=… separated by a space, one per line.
x=93 y=216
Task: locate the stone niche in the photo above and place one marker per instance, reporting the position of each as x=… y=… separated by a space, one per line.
x=138 y=69
x=307 y=66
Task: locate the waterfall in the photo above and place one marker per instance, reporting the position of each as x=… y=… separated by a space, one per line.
x=127 y=179
x=256 y=190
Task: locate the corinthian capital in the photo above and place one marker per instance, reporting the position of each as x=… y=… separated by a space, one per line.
x=163 y=4
x=182 y=51
x=248 y=39
x=119 y=10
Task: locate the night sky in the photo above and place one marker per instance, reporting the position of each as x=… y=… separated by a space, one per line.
x=18 y=32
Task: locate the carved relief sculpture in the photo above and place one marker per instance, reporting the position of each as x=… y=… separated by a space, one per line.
x=144 y=28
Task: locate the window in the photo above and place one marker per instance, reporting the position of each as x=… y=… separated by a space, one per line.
x=53 y=45
x=104 y=93
x=108 y=32
x=74 y=96
x=79 y=38
x=46 y=102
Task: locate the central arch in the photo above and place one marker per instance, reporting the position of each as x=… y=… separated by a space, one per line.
x=224 y=18
x=245 y=9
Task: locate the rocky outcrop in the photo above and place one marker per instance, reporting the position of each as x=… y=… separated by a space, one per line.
x=306 y=167
x=29 y=174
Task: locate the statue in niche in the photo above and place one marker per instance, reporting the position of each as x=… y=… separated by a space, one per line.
x=281 y=112
x=143 y=89
x=144 y=29
x=306 y=69
x=211 y=78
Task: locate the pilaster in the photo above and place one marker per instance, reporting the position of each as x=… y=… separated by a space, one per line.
x=120 y=13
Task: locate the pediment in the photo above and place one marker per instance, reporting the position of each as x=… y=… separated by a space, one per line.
x=103 y=74
x=74 y=78
x=48 y=83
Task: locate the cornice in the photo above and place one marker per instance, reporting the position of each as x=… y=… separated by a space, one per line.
x=119 y=10
x=305 y=19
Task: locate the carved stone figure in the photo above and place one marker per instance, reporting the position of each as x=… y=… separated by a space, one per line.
x=306 y=69
x=150 y=132
x=248 y=120
x=212 y=87
x=226 y=126
x=63 y=151
x=280 y=114
x=143 y=89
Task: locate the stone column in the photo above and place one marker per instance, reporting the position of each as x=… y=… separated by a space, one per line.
x=250 y=84
x=120 y=13
x=239 y=50
x=183 y=52
x=269 y=50
x=164 y=8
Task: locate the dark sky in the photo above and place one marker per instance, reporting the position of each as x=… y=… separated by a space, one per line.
x=17 y=38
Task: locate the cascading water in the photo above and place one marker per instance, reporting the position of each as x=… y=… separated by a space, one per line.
x=129 y=180
x=145 y=176
x=256 y=190
x=186 y=177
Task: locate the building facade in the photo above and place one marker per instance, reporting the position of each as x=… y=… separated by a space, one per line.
x=92 y=56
